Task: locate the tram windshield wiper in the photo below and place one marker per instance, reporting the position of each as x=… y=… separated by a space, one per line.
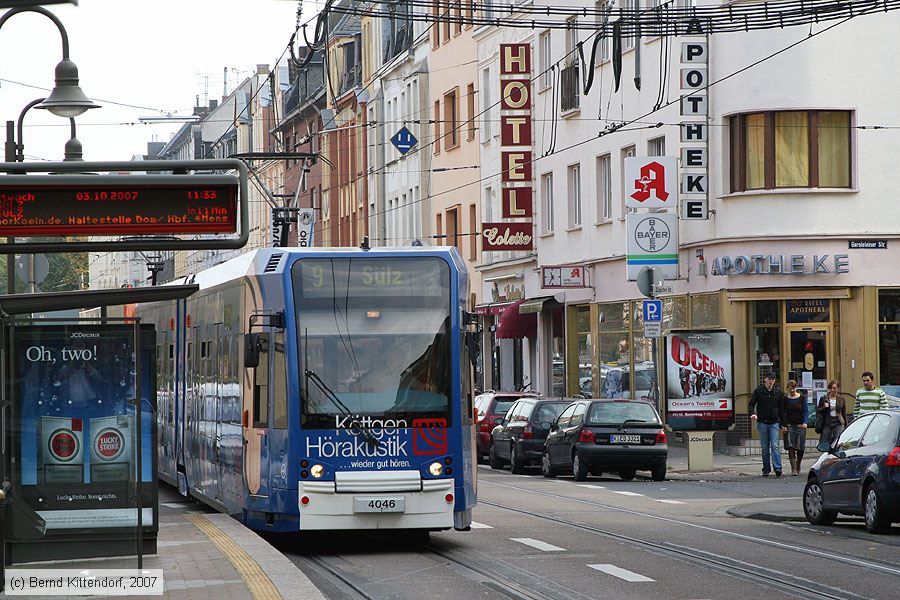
x=355 y=424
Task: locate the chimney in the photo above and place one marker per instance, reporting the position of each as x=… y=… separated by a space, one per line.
x=213 y=104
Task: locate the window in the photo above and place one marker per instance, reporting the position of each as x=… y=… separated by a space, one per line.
x=604 y=188
x=851 y=437
x=470 y=107
x=878 y=431
x=439 y=225
x=437 y=126
x=445 y=23
x=889 y=340
x=631 y=40
x=574 y=184
x=486 y=105
x=547 y=202
x=657 y=146
x=544 y=49
x=451 y=132
x=453 y=227
x=578 y=415
x=566 y=417
x=602 y=8
x=457 y=17
x=626 y=153
x=790 y=149
x=473 y=227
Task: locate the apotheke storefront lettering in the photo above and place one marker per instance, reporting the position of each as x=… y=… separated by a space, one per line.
x=781 y=264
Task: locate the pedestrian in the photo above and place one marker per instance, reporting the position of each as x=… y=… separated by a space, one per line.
x=766 y=407
x=796 y=413
x=869 y=397
x=833 y=410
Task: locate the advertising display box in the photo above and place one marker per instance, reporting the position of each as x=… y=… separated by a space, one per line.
x=699 y=380
x=74 y=439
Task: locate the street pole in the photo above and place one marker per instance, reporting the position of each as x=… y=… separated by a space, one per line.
x=10 y=258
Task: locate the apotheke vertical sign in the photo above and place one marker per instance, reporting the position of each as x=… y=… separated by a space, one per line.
x=695 y=128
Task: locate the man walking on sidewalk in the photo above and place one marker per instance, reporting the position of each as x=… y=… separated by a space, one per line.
x=869 y=397
x=766 y=408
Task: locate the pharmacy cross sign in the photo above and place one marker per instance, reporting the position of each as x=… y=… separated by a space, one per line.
x=404 y=140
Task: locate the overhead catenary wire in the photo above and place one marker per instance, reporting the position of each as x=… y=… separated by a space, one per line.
x=624 y=125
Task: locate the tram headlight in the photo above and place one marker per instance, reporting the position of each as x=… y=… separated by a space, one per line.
x=435 y=469
x=316 y=471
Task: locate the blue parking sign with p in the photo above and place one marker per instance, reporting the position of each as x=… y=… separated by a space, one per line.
x=652 y=311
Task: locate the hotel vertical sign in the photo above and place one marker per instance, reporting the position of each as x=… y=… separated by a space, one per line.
x=695 y=127
x=516 y=154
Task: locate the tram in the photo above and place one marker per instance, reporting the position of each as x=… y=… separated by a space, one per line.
x=321 y=389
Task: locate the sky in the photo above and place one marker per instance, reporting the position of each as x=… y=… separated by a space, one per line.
x=156 y=56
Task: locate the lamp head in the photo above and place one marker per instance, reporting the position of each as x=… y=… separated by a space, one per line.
x=67 y=99
x=73 y=151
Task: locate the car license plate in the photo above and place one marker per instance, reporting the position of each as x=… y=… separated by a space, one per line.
x=379 y=504
x=624 y=439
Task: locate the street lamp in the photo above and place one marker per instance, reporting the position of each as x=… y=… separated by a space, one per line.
x=66 y=99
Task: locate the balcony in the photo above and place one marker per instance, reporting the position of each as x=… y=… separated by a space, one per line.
x=569 y=84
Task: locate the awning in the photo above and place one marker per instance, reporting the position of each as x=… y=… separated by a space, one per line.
x=495 y=308
x=536 y=305
x=513 y=324
x=17 y=304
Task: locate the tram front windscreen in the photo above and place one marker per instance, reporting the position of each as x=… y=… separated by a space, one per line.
x=374 y=340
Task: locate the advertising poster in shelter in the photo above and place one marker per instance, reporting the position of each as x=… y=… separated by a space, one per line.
x=75 y=426
x=699 y=380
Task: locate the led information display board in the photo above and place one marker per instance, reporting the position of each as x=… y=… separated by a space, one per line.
x=118 y=205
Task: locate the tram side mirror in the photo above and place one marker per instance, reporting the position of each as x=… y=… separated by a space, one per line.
x=251 y=350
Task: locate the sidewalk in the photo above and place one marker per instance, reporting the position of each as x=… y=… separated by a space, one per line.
x=207 y=555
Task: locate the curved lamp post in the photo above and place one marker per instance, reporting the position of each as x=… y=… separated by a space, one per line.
x=73 y=149
x=66 y=99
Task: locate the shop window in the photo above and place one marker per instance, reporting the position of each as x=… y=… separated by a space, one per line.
x=614 y=348
x=675 y=312
x=766 y=312
x=614 y=316
x=705 y=311
x=558 y=348
x=889 y=340
x=582 y=372
x=768 y=351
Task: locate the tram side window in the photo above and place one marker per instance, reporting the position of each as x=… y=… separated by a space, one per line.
x=261 y=384
x=280 y=418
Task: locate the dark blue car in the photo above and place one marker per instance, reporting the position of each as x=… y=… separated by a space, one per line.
x=860 y=475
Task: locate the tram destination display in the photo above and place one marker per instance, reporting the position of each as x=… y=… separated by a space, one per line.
x=119 y=205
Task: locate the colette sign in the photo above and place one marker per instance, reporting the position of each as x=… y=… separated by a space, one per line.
x=516 y=155
x=507 y=236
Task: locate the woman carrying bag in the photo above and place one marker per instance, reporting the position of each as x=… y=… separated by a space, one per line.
x=796 y=413
x=832 y=409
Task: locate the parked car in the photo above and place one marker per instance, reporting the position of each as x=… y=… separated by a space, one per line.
x=859 y=475
x=518 y=438
x=597 y=436
x=491 y=406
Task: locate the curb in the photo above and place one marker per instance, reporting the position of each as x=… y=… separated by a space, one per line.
x=762 y=516
x=280 y=573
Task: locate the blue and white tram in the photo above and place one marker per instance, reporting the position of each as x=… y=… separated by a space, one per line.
x=310 y=389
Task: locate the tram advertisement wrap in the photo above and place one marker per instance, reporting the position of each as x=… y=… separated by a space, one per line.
x=77 y=428
x=699 y=380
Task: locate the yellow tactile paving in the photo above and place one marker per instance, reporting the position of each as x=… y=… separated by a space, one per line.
x=257 y=581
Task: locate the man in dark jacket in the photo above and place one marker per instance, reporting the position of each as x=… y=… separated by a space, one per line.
x=766 y=408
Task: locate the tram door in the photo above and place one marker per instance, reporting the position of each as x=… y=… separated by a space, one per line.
x=256 y=425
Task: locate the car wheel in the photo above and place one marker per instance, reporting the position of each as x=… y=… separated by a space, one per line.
x=515 y=465
x=658 y=472
x=493 y=459
x=547 y=469
x=877 y=519
x=579 y=468
x=814 y=504
x=627 y=474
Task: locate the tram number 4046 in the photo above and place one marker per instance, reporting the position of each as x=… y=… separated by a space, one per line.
x=369 y=504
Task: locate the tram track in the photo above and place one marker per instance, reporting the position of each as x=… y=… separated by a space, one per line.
x=846 y=560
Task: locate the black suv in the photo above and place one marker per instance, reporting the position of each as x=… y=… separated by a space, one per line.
x=518 y=438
